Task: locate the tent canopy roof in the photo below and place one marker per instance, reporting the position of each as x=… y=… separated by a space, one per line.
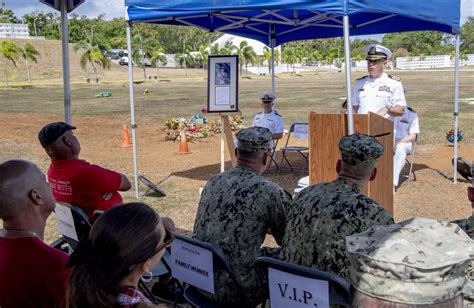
x=289 y=20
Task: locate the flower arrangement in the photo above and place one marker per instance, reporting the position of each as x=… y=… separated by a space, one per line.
x=450 y=135
x=196 y=127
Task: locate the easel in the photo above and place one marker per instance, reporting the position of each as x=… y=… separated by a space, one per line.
x=226 y=136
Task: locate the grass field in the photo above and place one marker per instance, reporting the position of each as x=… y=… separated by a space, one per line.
x=429 y=92
x=24 y=110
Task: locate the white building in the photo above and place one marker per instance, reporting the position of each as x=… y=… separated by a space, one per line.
x=14 y=31
x=411 y=63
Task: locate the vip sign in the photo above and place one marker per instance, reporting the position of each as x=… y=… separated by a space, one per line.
x=288 y=290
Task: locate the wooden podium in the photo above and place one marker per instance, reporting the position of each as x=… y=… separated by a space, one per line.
x=325 y=130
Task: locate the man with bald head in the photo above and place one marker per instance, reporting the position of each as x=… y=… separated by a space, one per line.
x=32 y=274
x=76 y=181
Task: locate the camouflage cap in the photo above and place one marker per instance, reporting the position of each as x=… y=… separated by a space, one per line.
x=359 y=149
x=418 y=261
x=254 y=139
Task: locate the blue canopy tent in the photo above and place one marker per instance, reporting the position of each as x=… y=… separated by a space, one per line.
x=278 y=21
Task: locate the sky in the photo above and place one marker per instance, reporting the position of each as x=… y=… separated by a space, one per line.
x=115 y=8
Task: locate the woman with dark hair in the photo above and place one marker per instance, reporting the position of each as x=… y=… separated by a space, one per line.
x=124 y=244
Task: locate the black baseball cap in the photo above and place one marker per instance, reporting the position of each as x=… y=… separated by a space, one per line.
x=52 y=131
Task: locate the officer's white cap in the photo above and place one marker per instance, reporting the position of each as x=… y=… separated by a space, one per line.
x=267 y=97
x=370 y=49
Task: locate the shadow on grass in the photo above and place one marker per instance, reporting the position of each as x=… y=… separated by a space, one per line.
x=284 y=177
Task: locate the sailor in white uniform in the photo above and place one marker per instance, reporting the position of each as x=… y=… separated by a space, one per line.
x=378 y=92
x=406 y=130
x=269 y=118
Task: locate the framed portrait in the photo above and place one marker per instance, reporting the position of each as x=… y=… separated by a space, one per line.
x=222 y=84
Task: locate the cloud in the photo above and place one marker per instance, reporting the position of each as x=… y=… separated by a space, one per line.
x=90 y=8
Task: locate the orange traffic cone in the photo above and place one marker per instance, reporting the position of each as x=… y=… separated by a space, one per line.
x=183 y=144
x=125 y=138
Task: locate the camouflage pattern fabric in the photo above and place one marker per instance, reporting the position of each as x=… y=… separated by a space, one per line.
x=236 y=209
x=419 y=261
x=359 y=149
x=319 y=220
x=467 y=225
x=254 y=139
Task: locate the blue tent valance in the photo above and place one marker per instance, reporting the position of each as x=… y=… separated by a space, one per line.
x=289 y=20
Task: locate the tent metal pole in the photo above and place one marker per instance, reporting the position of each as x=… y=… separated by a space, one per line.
x=66 y=74
x=222 y=144
x=347 y=56
x=456 y=108
x=273 y=68
x=132 y=108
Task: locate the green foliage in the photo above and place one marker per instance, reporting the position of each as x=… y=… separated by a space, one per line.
x=9 y=52
x=92 y=47
x=7 y=16
x=29 y=53
x=467 y=36
x=418 y=43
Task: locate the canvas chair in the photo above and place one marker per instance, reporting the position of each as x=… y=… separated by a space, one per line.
x=301 y=150
x=339 y=288
x=412 y=160
x=220 y=263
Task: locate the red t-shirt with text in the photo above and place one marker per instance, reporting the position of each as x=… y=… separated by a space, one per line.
x=88 y=186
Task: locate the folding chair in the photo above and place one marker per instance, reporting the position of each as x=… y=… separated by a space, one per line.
x=219 y=263
x=299 y=131
x=273 y=156
x=72 y=222
x=411 y=161
x=338 y=288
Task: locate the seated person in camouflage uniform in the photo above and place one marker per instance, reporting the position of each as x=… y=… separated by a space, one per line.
x=237 y=209
x=322 y=215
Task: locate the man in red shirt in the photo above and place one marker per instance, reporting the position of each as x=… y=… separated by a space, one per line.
x=32 y=274
x=76 y=181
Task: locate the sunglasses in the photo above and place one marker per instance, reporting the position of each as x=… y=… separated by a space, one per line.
x=169 y=237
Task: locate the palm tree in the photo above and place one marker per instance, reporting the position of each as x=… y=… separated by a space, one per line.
x=228 y=49
x=185 y=59
x=203 y=55
x=246 y=54
x=9 y=51
x=144 y=49
x=92 y=54
x=157 y=57
x=29 y=53
x=267 y=55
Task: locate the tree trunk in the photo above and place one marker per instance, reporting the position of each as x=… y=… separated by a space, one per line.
x=28 y=71
x=6 y=70
x=185 y=69
x=95 y=71
x=144 y=71
x=158 y=71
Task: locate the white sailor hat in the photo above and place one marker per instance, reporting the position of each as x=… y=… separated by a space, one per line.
x=267 y=97
x=377 y=52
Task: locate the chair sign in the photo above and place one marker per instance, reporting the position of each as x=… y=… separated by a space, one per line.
x=288 y=290
x=65 y=221
x=301 y=131
x=193 y=265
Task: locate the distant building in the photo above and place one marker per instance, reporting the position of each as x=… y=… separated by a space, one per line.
x=413 y=63
x=14 y=31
